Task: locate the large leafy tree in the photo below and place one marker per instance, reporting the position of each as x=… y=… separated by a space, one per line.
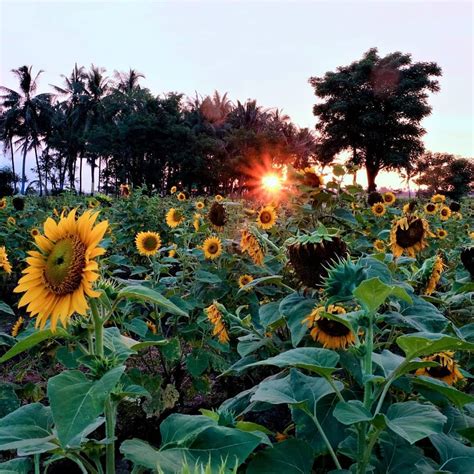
x=373 y=109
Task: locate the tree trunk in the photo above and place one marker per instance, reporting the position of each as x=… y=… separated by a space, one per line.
x=92 y=165
x=372 y=172
x=13 y=164
x=23 y=167
x=39 y=171
x=98 y=176
x=80 y=174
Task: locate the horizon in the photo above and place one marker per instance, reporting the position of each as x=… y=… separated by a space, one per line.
x=188 y=47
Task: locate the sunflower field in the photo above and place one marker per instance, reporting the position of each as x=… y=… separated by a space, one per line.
x=316 y=329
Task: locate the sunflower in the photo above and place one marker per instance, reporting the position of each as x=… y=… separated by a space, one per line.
x=447 y=371
x=181 y=197
x=93 y=203
x=172 y=251
x=152 y=327
x=216 y=319
x=212 y=247
x=3 y=203
x=249 y=244
x=471 y=235
x=455 y=206
x=378 y=209
x=445 y=213
x=389 y=198
x=217 y=215
x=174 y=217
x=34 y=232
x=441 y=233
x=331 y=334
x=147 y=243
x=430 y=208
x=435 y=276
x=374 y=197
x=124 y=190
x=17 y=326
x=311 y=178
x=199 y=205
x=266 y=218
x=11 y=220
x=218 y=198
x=244 y=280
x=437 y=198
x=4 y=263
x=408 y=235
x=379 y=245
x=61 y=274
x=196 y=221
x=173 y=189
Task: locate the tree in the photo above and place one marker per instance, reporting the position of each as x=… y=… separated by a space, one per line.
x=445 y=173
x=373 y=109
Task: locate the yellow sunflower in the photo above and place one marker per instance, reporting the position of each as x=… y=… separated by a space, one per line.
x=34 y=232
x=435 y=276
x=17 y=326
x=4 y=263
x=181 y=197
x=379 y=245
x=173 y=189
x=408 y=235
x=471 y=235
x=199 y=205
x=244 y=280
x=250 y=244
x=60 y=276
x=148 y=243
x=447 y=371
x=93 y=203
x=378 y=209
x=437 y=198
x=218 y=198
x=389 y=198
x=11 y=220
x=212 y=247
x=267 y=217
x=172 y=252
x=152 y=327
x=441 y=233
x=216 y=319
x=3 y=203
x=445 y=213
x=311 y=178
x=331 y=334
x=430 y=208
x=174 y=217
x=197 y=222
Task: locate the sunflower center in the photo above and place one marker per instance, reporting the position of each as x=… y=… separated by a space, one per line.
x=430 y=207
x=265 y=217
x=438 y=372
x=150 y=243
x=213 y=248
x=333 y=328
x=63 y=271
x=409 y=237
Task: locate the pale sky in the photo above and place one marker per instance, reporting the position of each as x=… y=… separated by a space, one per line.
x=262 y=50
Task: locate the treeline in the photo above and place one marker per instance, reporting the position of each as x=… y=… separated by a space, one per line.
x=127 y=135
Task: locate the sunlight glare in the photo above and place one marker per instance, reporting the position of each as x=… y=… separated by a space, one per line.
x=271 y=183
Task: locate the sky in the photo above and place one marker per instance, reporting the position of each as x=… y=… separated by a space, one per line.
x=265 y=50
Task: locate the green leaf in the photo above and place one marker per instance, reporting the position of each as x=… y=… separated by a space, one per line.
x=455 y=396
x=275 y=279
x=372 y=293
x=320 y=361
x=344 y=214
x=28 y=427
x=351 y=412
x=455 y=457
x=207 y=277
x=423 y=343
x=197 y=362
x=8 y=400
x=269 y=313
x=76 y=401
x=33 y=340
x=389 y=362
x=4 y=308
x=181 y=430
x=250 y=426
x=414 y=421
x=295 y=308
x=16 y=466
x=142 y=293
x=291 y=456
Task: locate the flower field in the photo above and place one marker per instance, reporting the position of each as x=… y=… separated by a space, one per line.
x=308 y=329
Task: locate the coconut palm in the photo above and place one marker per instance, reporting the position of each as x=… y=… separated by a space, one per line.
x=127 y=82
x=215 y=109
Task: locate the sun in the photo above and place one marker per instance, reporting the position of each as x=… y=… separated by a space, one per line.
x=271 y=183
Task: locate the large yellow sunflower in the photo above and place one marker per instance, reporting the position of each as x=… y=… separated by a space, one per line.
x=437 y=198
x=378 y=209
x=408 y=235
x=267 y=217
x=212 y=247
x=435 y=276
x=216 y=319
x=445 y=213
x=431 y=208
x=244 y=280
x=147 y=243
x=60 y=276
x=331 y=334
x=4 y=263
x=174 y=217
x=389 y=198
x=447 y=371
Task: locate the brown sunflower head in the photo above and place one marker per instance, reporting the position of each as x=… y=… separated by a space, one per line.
x=18 y=203
x=467 y=259
x=374 y=198
x=217 y=215
x=455 y=206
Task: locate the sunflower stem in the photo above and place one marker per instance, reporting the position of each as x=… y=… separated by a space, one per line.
x=110 y=420
x=98 y=328
x=37 y=463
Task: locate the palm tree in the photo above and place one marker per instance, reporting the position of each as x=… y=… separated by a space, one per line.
x=8 y=127
x=26 y=109
x=215 y=109
x=127 y=82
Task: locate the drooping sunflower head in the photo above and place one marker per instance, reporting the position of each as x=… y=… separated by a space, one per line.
x=59 y=276
x=151 y=327
x=148 y=243
x=409 y=207
x=408 y=235
x=34 y=232
x=11 y=220
x=379 y=209
x=250 y=244
x=438 y=198
x=389 y=198
x=181 y=196
x=212 y=247
x=447 y=371
x=4 y=263
x=374 y=198
x=244 y=280
x=217 y=215
x=430 y=208
x=267 y=217
x=199 y=205
x=3 y=203
x=442 y=234
x=444 y=213
x=379 y=245
x=173 y=189
x=18 y=203
x=328 y=332
x=455 y=206
x=17 y=326
x=436 y=267
x=124 y=190
x=174 y=217
x=215 y=317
